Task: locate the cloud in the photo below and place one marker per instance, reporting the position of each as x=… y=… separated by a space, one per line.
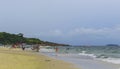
x=95 y=31
x=51 y=33
x=111 y=32
x=82 y=35
x=85 y=31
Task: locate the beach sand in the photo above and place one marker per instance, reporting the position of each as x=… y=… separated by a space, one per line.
x=18 y=59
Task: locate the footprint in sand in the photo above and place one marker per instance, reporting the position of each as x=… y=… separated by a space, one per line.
x=47 y=60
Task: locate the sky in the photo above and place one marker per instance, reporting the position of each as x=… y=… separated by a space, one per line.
x=75 y=22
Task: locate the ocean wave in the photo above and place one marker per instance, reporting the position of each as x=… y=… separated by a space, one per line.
x=111 y=60
x=101 y=57
x=85 y=54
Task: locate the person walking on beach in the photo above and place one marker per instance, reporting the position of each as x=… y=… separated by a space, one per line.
x=23 y=48
x=37 y=48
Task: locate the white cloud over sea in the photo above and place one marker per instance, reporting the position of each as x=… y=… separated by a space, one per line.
x=83 y=31
x=95 y=31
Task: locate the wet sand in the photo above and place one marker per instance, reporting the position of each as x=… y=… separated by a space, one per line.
x=85 y=63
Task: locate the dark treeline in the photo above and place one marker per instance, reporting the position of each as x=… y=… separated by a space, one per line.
x=7 y=38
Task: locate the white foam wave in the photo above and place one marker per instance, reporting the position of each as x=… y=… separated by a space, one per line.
x=112 y=60
x=47 y=50
x=85 y=54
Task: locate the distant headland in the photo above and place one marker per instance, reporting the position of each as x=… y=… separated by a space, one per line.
x=8 y=38
x=112 y=45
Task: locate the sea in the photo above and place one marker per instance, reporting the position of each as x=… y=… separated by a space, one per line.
x=109 y=54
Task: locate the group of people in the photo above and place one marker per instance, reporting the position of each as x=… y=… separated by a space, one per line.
x=23 y=47
x=35 y=47
x=18 y=46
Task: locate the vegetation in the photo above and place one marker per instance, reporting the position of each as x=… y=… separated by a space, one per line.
x=33 y=41
x=7 y=38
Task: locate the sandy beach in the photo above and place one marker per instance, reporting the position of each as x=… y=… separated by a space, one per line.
x=18 y=59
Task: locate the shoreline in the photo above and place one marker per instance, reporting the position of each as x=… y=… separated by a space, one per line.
x=64 y=62
x=85 y=63
x=16 y=58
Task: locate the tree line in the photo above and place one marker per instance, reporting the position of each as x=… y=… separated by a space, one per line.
x=8 y=38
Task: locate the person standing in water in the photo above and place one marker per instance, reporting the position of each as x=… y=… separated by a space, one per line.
x=56 y=50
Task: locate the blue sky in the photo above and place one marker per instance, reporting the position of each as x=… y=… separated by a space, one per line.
x=76 y=22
